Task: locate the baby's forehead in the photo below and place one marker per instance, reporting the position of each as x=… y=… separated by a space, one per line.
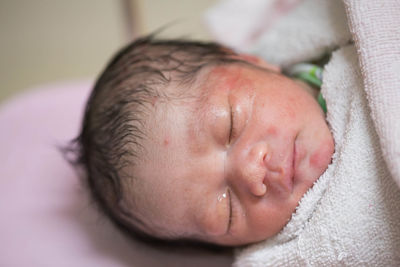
x=223 y=79
x=196 y=100
x=189 y=111
x=219 y=77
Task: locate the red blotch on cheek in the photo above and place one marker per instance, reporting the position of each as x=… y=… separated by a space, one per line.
x=322 y=157
x=166 y=141
x=272 y=131
x=316 y=160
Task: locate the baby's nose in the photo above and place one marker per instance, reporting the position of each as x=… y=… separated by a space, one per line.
x=250 y=171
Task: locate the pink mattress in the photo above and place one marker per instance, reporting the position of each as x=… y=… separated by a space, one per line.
x=46 y=218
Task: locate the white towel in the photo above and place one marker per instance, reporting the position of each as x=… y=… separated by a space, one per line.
x=375 y=26
x=307 y=30
x=351 y=217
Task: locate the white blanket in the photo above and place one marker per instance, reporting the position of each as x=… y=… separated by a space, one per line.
x=351 y=217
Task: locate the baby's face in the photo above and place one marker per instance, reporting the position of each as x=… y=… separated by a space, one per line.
x=231 y=166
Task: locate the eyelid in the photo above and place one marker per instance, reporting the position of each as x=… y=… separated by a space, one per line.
x=233 y=124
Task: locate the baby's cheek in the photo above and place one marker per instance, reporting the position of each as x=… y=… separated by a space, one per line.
x=322 y=157
x=213 y=224
x=292 y=106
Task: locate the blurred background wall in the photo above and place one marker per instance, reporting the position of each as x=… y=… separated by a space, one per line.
x=44 y=41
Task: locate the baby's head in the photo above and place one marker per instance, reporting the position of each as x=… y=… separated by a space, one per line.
x=189 y=141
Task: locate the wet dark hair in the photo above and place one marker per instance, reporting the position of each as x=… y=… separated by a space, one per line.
x=112 y=128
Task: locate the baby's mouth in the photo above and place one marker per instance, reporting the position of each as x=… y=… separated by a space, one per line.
x=294 y=162
x=282 y=177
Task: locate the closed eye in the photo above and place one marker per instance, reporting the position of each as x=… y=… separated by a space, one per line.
x=232 y=130
x=230 y=211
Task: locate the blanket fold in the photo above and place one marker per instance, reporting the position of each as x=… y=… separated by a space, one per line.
x=350 y=217
x=375 y=26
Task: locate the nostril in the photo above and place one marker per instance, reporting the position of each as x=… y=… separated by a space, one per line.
x=258 y=152
x=266 y=157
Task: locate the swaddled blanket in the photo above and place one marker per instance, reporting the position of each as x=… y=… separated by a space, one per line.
x=351 y=217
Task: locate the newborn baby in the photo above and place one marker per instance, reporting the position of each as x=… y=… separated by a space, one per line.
x=190 y=141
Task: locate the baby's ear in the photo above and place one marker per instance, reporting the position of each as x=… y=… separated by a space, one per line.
x=259 y=62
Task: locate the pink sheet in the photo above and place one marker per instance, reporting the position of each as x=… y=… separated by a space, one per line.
x=46 y=218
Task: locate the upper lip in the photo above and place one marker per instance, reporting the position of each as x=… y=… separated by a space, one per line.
x=285 y=172
x=290 y=167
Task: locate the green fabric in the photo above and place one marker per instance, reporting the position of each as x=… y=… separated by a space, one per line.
x=310 y=79
x=321 y=102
